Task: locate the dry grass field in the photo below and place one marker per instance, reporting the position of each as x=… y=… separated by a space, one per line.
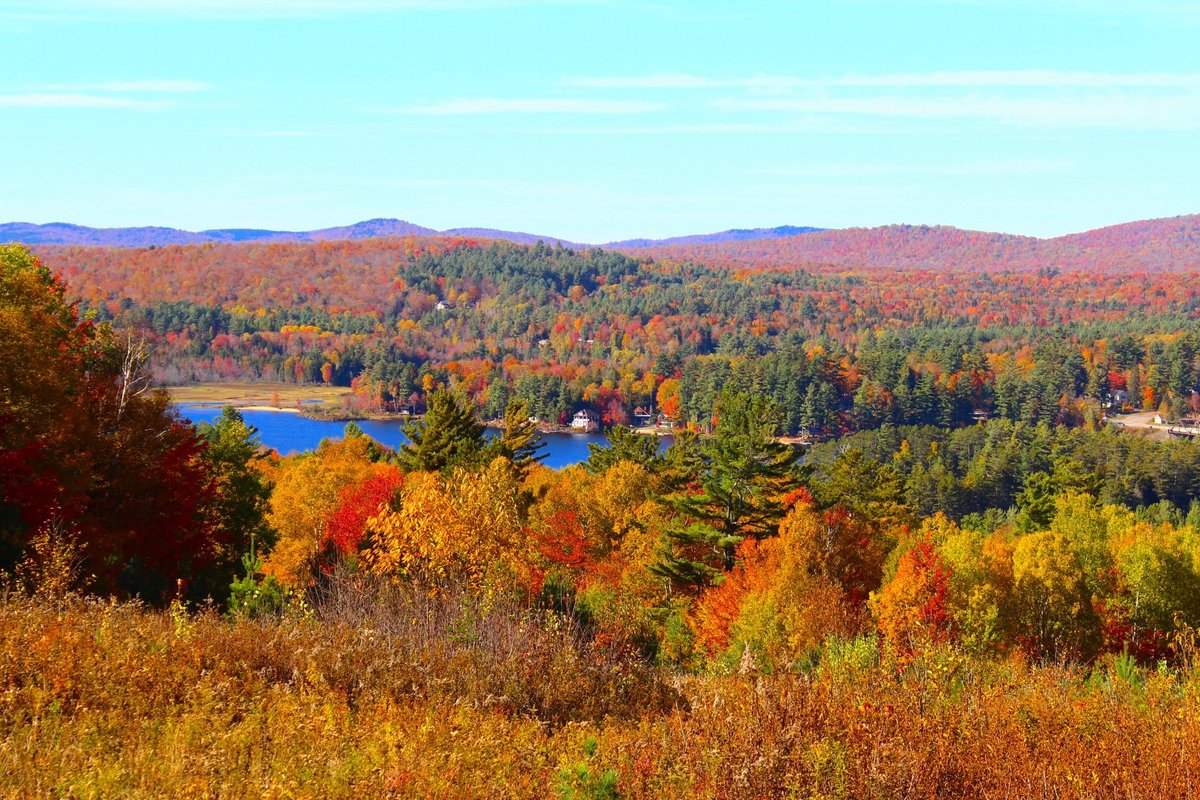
x=407 y=695
x=246 y=394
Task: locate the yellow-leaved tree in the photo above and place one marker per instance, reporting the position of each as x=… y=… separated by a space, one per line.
x=980 y=595
x=465 y=529
x=1054 y=612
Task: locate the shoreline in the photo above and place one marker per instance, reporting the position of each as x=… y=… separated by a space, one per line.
x=543 y=427
x=492 y=424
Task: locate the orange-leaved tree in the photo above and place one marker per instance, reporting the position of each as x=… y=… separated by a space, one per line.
x=789 y=593
x=912 y=608
x=307 y=490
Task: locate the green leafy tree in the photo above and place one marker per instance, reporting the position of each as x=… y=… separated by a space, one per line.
x=741 y=491
x=241 y=495
x=862 y=484
x=254 y=594
x=449 y=436
x=1159 y=584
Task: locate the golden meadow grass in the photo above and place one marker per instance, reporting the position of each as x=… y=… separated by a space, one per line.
x=400 y=694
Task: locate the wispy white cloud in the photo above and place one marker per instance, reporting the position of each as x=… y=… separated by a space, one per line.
x=235 y=133
x=1034 y=97
x=498 y=105
x=1097 y=110
x=104 y=94
x=964 y=169
x=76 y=100
x=58 y=9
x=793 y=125
x=662 y=80
x=1027 y=78
x=966 y=79
x=158 y=86
x=68 y=10
x=1172 y=9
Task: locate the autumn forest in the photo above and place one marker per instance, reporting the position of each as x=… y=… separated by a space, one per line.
x=895 y=545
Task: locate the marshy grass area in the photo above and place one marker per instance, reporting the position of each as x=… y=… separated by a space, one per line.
x=383 y=691
x=265 y=394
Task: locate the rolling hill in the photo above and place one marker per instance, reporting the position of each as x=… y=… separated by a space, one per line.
x=732 y=235
x=61 y=233
x=1169 y=244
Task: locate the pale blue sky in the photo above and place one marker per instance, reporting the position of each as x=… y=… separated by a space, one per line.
x=600 y=120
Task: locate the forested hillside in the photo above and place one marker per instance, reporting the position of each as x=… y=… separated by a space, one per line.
x=840 y=348
x=1170 y=245
x=733 y=617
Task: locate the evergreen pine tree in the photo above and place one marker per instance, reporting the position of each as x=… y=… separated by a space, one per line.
x=624 y=444
x=684 y=461
x=448 y=436
x=1035 y=503
x=742 y=488
x=521 y=440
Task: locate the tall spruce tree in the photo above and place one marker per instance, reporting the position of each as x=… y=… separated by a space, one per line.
x=624 y=444
x=684 y=461
x=742 y=487
x=448 y=436
x=521 y=440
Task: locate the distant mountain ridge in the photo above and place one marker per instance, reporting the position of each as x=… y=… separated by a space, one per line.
x=1170 y=243
x=731 y=235
x=1166 y=244
x=62 y=233
x=510 y=236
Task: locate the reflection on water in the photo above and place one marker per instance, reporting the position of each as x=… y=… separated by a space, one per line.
x=291 y=433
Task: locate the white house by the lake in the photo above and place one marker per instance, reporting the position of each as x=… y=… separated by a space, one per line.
x=585 y=420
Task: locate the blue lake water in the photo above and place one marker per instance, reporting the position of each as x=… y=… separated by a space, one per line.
x=291 y=433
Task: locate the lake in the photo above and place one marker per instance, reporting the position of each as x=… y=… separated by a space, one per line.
x=291 y=433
